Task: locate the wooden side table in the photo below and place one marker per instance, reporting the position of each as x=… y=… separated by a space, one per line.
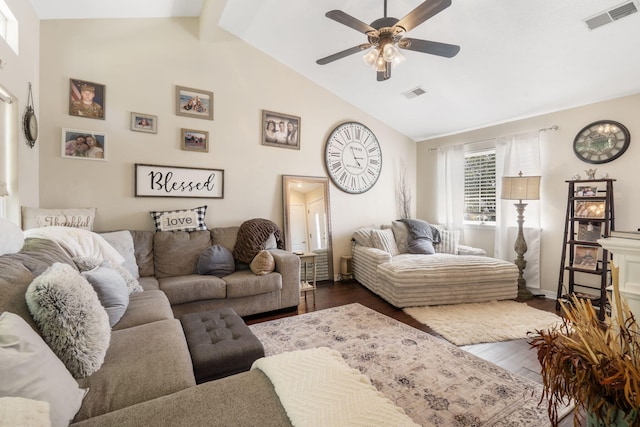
x=305 y=286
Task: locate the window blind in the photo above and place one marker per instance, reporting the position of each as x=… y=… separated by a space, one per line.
x=480 y=187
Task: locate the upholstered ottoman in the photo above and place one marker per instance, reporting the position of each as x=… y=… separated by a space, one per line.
x=220 y=343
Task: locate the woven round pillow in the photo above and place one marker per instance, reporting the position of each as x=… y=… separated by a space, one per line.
x=263 y=263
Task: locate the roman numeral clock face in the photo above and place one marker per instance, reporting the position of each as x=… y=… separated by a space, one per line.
x=353 y=157
x=601 y=142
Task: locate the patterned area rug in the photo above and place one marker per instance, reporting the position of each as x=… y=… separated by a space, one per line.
x=493 y=321
x=435 y=382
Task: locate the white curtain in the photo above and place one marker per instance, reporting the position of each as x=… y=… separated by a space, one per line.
x=514 y=154
x=451 y=188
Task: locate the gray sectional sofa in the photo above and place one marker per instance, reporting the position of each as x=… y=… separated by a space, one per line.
x=147 y=376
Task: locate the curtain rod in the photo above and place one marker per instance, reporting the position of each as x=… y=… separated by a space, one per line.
x=551 y=128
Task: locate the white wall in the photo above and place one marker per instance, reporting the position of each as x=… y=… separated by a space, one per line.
x=141 y=61
x=559 y=164
x=20 y=163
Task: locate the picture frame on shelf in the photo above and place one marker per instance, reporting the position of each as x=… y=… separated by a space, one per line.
x=144 y=123
x=280 y=130
x=590 y=210
x=192 y=102
x=194 y=140
x=87 y=99
x=589 y=231
x=84 y=144
x=585 y=257
x=586 y=190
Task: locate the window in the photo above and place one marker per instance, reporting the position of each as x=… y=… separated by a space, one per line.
x=480 y=187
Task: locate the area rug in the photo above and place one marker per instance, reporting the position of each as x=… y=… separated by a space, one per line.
x=435 y=382
x=494 y=321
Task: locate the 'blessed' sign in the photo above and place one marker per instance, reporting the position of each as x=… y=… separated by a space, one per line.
x=176 y=181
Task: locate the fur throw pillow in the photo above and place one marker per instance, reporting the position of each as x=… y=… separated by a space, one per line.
x=70 y=317
x=263 y=263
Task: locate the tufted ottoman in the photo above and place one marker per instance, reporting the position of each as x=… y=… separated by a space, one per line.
x=220 y=343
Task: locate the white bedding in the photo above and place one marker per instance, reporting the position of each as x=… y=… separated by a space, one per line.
x=317 y=388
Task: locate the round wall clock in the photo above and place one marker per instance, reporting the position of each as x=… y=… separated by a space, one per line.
x=601 y=142
x=30 y=122
x=353 y=157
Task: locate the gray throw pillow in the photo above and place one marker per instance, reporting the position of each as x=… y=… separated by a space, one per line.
x=421 y=246
x=217 y=261
x=112 y=291
x=70 y=318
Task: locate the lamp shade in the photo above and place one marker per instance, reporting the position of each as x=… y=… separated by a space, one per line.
x=520 y=187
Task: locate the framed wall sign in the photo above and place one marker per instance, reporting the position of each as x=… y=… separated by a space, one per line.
x=178 y=181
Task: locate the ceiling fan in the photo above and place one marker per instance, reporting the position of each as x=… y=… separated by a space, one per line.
x=386 y=35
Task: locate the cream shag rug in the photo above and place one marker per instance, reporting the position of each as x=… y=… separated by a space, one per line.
x=494 y=321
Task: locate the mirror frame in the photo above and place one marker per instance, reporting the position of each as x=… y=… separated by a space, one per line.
x=287 y=180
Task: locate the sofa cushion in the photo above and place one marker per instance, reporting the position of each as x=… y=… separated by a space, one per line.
x=29 y=369
x=194 y=287
x=401 y=234
x=263 y=263
x=180 y=220
x=384 y=240
x=122 y=241
x=38 y=255
x=70 y=318
x=176 y=253
x=449 y=241
x=216 y=261
x=143 y=249
x=245 y=283
x=362 y=237
x=145 y=307
x=225 y=236
x=142 y=363
x=111 y=289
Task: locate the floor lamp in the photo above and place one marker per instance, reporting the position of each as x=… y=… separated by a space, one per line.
x=521 y=188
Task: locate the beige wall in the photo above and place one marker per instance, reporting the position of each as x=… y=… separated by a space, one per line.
x=559 y=164
x=141 y=61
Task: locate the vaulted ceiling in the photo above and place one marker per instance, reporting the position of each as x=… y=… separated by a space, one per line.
x=518 y=58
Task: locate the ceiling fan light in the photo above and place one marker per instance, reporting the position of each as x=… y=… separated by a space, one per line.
x=398 y=58
x=381 y=64
x=371 y=57
x=389 y=51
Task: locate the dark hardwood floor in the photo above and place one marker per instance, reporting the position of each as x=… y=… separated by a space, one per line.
x=515 y=356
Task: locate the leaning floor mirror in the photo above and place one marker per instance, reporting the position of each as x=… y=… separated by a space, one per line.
x=307 y=221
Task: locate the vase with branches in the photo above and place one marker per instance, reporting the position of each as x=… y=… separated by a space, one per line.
x=594 y=364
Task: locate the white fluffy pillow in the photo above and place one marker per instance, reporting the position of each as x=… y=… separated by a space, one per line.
x=29 y=369
x=70 y=317
x=12 y=238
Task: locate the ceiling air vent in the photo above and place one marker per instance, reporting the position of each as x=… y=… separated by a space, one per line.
x=414 y=92
x=613 y=14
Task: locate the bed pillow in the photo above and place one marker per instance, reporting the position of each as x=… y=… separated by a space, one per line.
x=122 y=241
x=216 y=261
x=384 y=240
x=263 y=263
x=70 y=318
x=29 y=369
x=180 y=220
x=112 y=291
x=76 y=218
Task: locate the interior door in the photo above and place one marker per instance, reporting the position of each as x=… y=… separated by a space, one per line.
x=317 y=225
x=298 y=228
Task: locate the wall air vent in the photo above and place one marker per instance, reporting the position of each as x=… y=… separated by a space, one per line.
x=613 y=14
x=414 y=92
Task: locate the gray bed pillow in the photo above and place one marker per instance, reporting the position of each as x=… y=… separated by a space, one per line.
x=217 y=261
x=421 y=246
x=112 y=291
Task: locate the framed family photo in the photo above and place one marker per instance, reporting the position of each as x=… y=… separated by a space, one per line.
x=194 y=140
x=194 y=103
x=280 y=130
x=587 y=209
x=589 y=231
x=84 y=144
x=86 y=99
x=586 y=257
x=587 y=190
x=144 y=123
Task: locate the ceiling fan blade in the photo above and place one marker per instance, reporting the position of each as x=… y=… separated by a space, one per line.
x=426 y=46
x=344 y=53
x=349 y=21
x=421 y=13
x=386 y=74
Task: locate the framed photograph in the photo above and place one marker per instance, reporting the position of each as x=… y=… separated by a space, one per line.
x=177 y=181
x=589 y=231
x=144 y=123
x=194 y=140
x=587 y=209
x=586 y=190
x=84 y=144
x=86 y=99
x=280 y=130
x=194 y=103
x=585 y=257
